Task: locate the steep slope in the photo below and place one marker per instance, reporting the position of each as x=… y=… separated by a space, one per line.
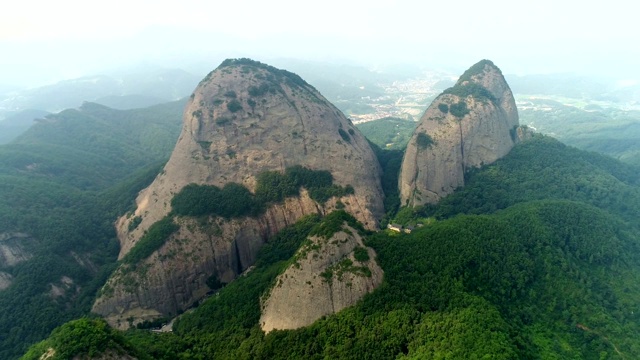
x=245 y=119
x=17 y=123
x=470 y=124
x=329 y=273
x=62 y=184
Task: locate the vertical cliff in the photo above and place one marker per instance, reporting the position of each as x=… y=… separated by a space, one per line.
x=473 y=123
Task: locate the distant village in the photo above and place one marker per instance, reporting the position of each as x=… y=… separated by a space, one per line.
x=409 y=99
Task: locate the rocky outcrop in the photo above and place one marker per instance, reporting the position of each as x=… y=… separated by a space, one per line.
x=474 y=123
x=5 y=280
x=328 y=275
x=12 y=248
x=243 y=119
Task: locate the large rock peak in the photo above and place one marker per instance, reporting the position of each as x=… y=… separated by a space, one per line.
x=471 y=124
x=245 y=118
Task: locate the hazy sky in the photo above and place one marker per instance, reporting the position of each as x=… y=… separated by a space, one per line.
x=45 y=41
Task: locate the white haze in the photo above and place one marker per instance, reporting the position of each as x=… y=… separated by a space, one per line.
x=46 y=41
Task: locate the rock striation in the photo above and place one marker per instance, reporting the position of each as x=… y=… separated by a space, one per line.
x=471 y=124
x=243 y=119
x=328 y=275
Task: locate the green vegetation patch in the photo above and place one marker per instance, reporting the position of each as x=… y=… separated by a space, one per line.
x=390 y=160
x=151 y=241
x=424 y=141
x=83 y=338
x=344 y=135
x=388 y=133
x=261 y=90
x=278 y=74
x=234 y=105
x=459 y=109
x=476 y=69
x=443 y=107
x=223 y=120
x=526 y=174
x=344 y=266
x=234 y=200
x=479 y=92
x=334 y=222
x=361 y=254
x=133 y=224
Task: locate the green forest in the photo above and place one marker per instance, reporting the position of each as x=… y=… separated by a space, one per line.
x=389 y=133
x=537 y=257
x=63 y=183
x=585 y=125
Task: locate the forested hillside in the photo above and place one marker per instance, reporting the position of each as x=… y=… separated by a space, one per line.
x=611 y=130
x=537 y=257
x=389 y=133
x=62 y=185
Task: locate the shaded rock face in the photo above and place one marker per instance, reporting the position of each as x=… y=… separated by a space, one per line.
x=327 y=277
x=243 y=119
x=469 y=125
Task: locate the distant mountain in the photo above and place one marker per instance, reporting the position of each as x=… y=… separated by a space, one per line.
x=17 y=123
x=163 y=84
x=568 y=85
x=608 y=130
x=7 y=88
x=126 y=102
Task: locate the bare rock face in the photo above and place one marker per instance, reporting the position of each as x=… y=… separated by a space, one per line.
x=328 y=276
x=12 y=250
x=243 y=119
x=474 y=123
x=5 y=280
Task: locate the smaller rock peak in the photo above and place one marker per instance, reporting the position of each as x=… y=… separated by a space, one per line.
x=470 y=124
x=483 y=79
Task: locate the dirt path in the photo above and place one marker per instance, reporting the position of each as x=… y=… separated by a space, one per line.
x=583 y=327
